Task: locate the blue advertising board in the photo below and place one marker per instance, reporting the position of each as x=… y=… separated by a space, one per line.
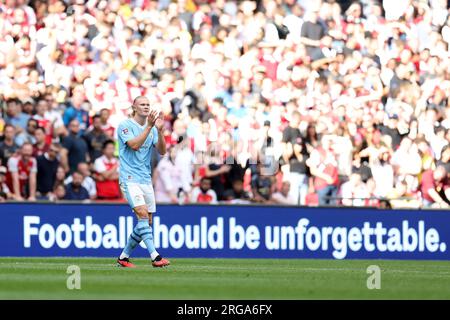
x=101 y=230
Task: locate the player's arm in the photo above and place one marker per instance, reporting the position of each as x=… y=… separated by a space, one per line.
x=33 y=183
x=137 y=142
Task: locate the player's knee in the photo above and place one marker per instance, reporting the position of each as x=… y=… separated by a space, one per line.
x=141 y=212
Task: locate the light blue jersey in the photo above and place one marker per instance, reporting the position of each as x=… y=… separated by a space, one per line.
x=135 y=166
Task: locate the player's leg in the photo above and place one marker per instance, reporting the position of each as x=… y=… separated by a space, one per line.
x=149 y=196
x=133 y=240
x=134 y=195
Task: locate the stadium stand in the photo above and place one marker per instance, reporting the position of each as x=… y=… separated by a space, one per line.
x=292 y=102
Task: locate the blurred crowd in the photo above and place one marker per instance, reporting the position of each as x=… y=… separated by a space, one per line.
x=291 y=102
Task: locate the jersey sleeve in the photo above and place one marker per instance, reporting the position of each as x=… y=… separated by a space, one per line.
x=12 y=165
x=33 y=166
x=213 y=195
x=99 y=166
x=125 y=132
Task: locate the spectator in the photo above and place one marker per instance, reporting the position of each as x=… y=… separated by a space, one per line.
x=294 y=155
x=47 y=167
x=368 y=78
x=40 y=146
x=399 y=197
x=8 y=146
x=323 y=167
x=169 y=179
x=354 y=192
x=88 y=182
x=75 y=111
x=21 y=176
x=435 y=188
x=95 y=138
x=15 y=116
x=438 y=142
x=239 y=166
x=28 y=134
x=49 y=117
x=262 y=186
x=312 y=32
x=392 y=130
x=311 y=139
x=75 y=146
x=60 y=175
x=50 y=122
x=5 y=193
x=107 y=128
x=283 y=196
x=107 y=174
x=74 y=189
x=28 y=107
x=216 y=171
x=383 y=172
x=445 y=159
x=58 y=193
x=237 y=194
x=203 y=193
x=185 y=161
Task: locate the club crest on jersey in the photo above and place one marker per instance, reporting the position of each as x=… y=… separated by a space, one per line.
x=125 y=131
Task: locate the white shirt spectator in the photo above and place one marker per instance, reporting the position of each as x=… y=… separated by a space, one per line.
x=185 y=161
x=352 y=194
x=169 y=180
x=384 y=178
x=395 y=9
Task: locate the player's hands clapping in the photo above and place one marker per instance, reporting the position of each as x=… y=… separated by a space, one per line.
x=152 y=117
x=159 y=122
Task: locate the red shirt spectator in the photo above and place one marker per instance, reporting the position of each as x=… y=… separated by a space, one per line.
x=204 y=193
x=328 y=167
x=41 y=146
x=435 y=186
x=22 y=170
x=107 y=175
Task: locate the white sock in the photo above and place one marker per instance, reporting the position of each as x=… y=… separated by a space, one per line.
x=153 y=255
x=123 y=255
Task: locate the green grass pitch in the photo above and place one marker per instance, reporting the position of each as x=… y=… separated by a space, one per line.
x=45 y=278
